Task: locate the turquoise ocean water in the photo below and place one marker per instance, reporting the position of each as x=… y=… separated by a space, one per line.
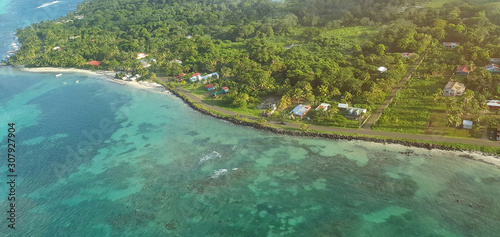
x=97 y=158
x=16 y=14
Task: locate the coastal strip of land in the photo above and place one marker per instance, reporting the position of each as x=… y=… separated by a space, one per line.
x=108 y=75
x=293 y=129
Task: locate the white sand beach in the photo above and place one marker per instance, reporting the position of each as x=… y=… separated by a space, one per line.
x=108 y=75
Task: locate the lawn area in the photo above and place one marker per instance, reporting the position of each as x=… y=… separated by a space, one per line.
x=349 y=36
x=439 y=3
x=199 y=90
x=345 y=37
x=195 y=88
x=250 y=110
x=410 y=110
x=438 y=122
x=414 y=110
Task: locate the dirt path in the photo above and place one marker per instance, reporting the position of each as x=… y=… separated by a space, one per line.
x=368 y=132
x=376 y=115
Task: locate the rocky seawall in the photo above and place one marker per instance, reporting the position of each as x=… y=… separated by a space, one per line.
x=322 y=135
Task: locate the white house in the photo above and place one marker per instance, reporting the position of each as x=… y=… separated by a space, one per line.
x=354 y=113
x=381 y=69
x=454 y=88
x=141 y=55
x=343 y=106
x=323 y=106
x=467 y=124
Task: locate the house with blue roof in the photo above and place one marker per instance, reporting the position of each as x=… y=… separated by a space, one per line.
x=300 y=110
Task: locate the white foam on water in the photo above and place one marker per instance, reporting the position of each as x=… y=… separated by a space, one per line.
x=210 y=156
x=218 y=173
x=47 y=4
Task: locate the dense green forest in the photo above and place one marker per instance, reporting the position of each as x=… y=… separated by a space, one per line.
x=246 y=43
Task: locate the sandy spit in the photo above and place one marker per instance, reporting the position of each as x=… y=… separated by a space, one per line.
x=109 y=75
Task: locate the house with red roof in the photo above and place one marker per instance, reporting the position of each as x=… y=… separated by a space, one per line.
x=195 y=77
x=95 y=63
x=210 y=87
x=493 y=104
x=179 y=77
x=464 y=70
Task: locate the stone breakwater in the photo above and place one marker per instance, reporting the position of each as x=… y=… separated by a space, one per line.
x=275 y=130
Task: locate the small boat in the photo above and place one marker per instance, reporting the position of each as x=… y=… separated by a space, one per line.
x=77 y=81
x=58 y=75
x=64 y=83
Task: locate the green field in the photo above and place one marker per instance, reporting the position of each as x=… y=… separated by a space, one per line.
x=439 y=3
x=412 y=107
x=348 y=36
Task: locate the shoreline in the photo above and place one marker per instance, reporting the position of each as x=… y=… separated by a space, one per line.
x=489 y=158
x=107 y=75
x=485 y=157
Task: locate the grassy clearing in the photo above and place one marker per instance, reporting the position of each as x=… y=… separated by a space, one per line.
x=348 y=36
x=410 y=110
x=438 y=124
x=250 y=110
x=195 y=89
x=439 y=3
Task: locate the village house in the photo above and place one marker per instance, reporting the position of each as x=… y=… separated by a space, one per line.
x=224 y=90
x=146 y=62
x=381 y=69
x=343 y=106
x=179 y=77
x=450 y=45
x=406 y=55
x=210 y=87
x=141 y=55
x=467 y=124
x=454 y=88
x=175 y=61
x=195 y=77
x=498 y=133
x=493 y=104
x=300 y=110
x=464 y=70
x=94 y=63
x=493 y=68
x=354 y=113
x=323 y=106
x=495 y=60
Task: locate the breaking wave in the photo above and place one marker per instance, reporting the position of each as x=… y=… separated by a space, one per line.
x=218 y=173
x=210 y=156
x=47 y=4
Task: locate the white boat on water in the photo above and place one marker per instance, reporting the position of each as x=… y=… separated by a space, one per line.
x=64 y=83
x=58 y=75
x=77 y=81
